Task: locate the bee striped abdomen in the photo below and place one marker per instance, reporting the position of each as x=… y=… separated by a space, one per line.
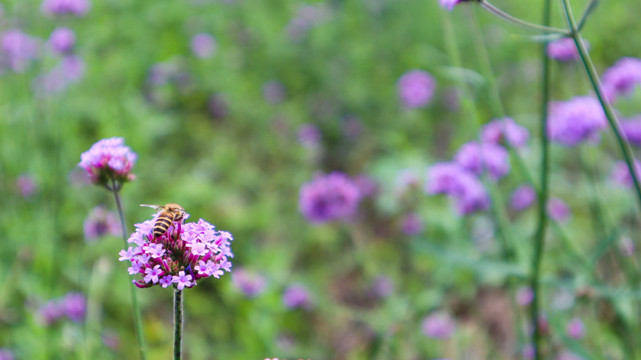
x=162 y=224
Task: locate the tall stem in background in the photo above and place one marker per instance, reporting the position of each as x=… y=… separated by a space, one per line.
x=134 y=300
x=596 y=85
x=178 y=323
x=539 y=243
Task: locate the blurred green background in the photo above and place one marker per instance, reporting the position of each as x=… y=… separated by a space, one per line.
x=208 y=138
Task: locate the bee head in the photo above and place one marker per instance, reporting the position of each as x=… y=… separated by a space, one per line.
x=177 y=210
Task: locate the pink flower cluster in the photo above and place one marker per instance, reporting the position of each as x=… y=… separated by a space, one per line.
x=72 y=306
x=182 y=255
x=329 y=197
x=108 y=160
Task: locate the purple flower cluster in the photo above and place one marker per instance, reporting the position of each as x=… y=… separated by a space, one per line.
x=621 y=174
x=575 y=328
x=450 y=4
x=416 y=88
x=17 y=50
x=622 y=78
x=576 y=120
x=26 y=185
x=523 y=197
x=412 y=224
x=505 y=129
x=108 y=160
x=203 y=45
x=100 y=222
x=62 y=40
x=557 y=209
x=438 y=325
x=72 y=306
x=564 y=49
x=329 y=197
x=460 y=184
x=479 y=157
x=69 y=70
x=250 y=283
x=297 y=296
x=632 y=130
x=182 y=255
x=6 y=354
x=306 y=18
x=66 y=7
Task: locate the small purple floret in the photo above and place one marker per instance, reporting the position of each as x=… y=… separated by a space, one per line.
x=416 y=89
x=329 y=198
x=576 y=120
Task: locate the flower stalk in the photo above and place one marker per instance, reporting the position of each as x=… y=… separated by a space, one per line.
x=539 y=242
x=178 y=323
x=519 y=22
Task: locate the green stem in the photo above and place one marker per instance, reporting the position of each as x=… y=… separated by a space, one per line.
x=178 y=323
x=607 y=108
x=539 y=243
x=522 y=23
x=134 y=300
x=588 y=10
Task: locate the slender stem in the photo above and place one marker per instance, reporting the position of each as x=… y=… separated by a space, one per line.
x=607 y=108
x=178 y=323
x=522 y=23
x=588 y=10
x=134 y=300
x=539 y=243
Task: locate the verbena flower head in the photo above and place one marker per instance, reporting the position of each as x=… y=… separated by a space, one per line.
x=461 y=185
x=328 y=198
x=72 y=306
x=489 y=157
x=438 y=325
x=203 y=45
x=564 y=49
x=621 y=174
x=523 y=197
x=6 y=354
x=62 y=40
x=622 y=78
x=505 y=129
x=416 y=88
x=26 y=185
x=412 y=224
x=66 y=7
x=557 y=209
x=575 y=328
x=184 y=254
x=524 y=295
x=576 y=120
x=383 y=286
x=450 y=4
x=17 y=50
x=297 y=296
x=632 y=130
x=100 y=222
x=251 y=284
x=309 y=135
x=108 y=160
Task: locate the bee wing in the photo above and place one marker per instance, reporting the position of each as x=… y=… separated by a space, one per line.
x=157 y=207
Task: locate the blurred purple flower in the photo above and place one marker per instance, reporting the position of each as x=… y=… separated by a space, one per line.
x=566 y=355
x=100 y=222
x=557 y=210
x=274 y=92
x=66 y=7
x=307 y=17
x=523 y=197
x=108 y=160
x=6 y=354
x=73 y=68
x=438 y=325
x=26 y=185
x=575 y=328
x=70 y=70
x=251 y=284
x=111 y=340
x=17 y=49
x=449 y=4
x=528 y=352
x=621 y=174
x=50 y=312
x=463 y=186
x=62 y=40
x=524 y=295
x=622 y=78
x=296 y=296
x=74 y=306
x=416 y=88
x=382 y=286
x=329 y=197
x=564 y=49
x=309 y=135
x=576 y=120
x=185 y=253
x=203 y=45
x=412 y=224
x=366 y=185
x=632 y=130
x=505 y=128
x=476 y=158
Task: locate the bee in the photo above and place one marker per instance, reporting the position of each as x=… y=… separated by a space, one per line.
x=168 y=214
